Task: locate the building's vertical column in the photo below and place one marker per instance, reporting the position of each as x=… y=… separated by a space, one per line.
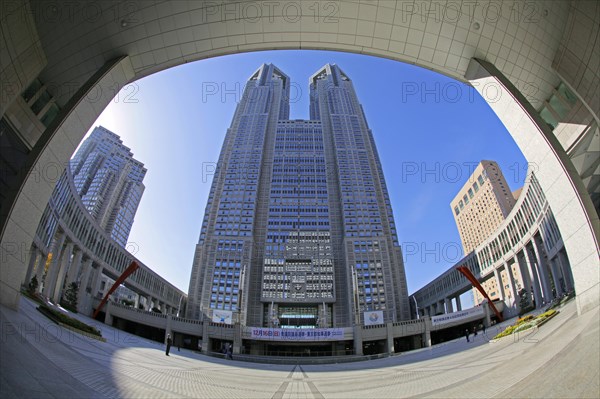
x=39 y=271
x=82 y=293
x=525 y=281
x=390 y=338
x=542 y=268
x=75 y=266
x=427 y=333
x=358 y=346
x=108 y=319
x=64 y=267
x=529 y=284
x=458 y=304
x=323 y=317
x=448 y=303
x=557 y=276
x=34 y=259
x=500 y=284
x=511 y=287
x=205 y=337
x=96 y=281
x=566 y=270
x=487 y=321
x=237 y=339
x=55 y=251
x=534 y=278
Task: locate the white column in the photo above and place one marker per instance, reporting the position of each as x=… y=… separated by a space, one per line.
x=533 y=277
x=500 y=284
x=511 y=286
x=39 y=271
x=557 y=276
x=53 y=269
x=75 y=266
x=566 y=269
x=34 y=257
x=448 y=302
x=542 y=269
x=83 y=296
x=64 y=266
x=458 y=304
x=96 y=280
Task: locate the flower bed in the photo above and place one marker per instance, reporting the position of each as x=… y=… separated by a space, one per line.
x=526 y=323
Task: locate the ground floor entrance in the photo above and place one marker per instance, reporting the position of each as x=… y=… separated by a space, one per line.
x=297 y=349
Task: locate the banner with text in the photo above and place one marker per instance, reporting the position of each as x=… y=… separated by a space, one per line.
x=457 y=316
x=293 y=334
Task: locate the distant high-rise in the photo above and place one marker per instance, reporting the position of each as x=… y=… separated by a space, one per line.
x=298 y=230
x=479 y=208
x=481 y=205
x=109 y=182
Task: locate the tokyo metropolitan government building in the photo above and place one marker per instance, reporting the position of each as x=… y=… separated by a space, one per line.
x=298 y=230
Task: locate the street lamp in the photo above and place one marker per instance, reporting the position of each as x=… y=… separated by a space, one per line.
x=179 y=305
x=416 y=307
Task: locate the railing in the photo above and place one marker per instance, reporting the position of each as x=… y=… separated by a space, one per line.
x=403 y=323
x=187 y=321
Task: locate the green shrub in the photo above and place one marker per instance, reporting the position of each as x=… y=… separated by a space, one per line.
x=60 y=317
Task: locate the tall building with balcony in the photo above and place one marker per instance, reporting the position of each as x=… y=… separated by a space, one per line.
x=298 y=230
x=109 y=181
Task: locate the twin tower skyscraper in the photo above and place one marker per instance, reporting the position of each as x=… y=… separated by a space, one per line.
x=298 y=230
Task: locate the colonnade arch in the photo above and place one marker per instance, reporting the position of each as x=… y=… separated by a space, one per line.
x=82 y=58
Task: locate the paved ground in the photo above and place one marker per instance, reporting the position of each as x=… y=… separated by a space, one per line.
x=39 y=360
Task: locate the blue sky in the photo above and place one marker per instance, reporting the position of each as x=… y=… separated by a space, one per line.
x=430 y=131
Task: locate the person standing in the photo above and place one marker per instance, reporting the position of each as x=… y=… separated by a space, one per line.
x=229 y=353
x=467 y=334
x=169 y=343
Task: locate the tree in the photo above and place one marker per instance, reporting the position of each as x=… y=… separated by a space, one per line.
x=524 y=302
x=71 y=296
x=33 y=285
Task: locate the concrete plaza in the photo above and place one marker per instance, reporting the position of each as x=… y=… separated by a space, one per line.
x=41 y=360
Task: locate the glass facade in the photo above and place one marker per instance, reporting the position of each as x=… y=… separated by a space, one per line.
x=109 y=181
x=298 y=231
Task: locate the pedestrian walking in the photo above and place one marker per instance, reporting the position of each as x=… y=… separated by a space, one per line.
x=467 y=334
x=169 y=343
x=474 y=332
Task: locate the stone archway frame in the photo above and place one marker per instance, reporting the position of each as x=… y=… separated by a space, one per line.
x=163 y=35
